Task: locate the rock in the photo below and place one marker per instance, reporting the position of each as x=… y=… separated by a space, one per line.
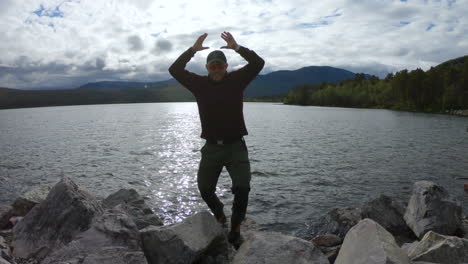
x=369 y=243
x=432 y=209
x=272 y=248
x=389 y=214
x=6 y=212
x=408 y=247
x=329 y=244
x=338 y=221
x=132 y=203
x=465 y=228
x=327 y=240
x=23 y=204
x=440 y=249
x=112 y=239
x=66 y=212
x=331 y=252
x=3 y=261
x=185 y=242
x=5 y=252
x=15 y=220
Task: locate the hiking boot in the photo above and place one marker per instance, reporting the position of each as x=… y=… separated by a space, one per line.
x=234 y=237
x=221 y=219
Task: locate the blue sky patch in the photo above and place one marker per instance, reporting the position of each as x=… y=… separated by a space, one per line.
x=334 y=15
x=314 y=24
x=430 y=27
x=48 y=12
x=247 y=32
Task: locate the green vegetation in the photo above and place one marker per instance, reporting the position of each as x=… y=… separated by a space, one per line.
x=442 y=88
x=13 y=98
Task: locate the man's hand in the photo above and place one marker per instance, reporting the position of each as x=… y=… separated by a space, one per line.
x=231 y=42
x=199 y=43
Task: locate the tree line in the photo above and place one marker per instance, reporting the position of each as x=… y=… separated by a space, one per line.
x=440 y=89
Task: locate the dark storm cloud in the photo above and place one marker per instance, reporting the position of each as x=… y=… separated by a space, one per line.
x=135 y=43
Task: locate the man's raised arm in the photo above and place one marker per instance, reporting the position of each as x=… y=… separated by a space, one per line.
x=177 y=69
x=255 y=62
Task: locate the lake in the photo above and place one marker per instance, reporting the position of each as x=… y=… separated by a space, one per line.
x=305 y=160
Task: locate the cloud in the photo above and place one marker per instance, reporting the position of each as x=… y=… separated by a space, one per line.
x=135 y=43
x=161 y=46
x=57 y=42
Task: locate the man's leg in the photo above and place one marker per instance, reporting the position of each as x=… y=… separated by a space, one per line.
x=238 y=167
x=207 y=179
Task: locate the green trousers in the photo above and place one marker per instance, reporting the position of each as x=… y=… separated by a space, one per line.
x=234 y=156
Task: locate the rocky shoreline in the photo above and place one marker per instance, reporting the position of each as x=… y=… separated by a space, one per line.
x=66 y=224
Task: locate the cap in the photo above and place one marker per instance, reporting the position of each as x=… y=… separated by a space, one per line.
x=216 y=56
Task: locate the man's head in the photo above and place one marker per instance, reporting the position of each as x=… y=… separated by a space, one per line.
x=216 y=65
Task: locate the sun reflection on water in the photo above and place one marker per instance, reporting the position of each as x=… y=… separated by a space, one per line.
x=175 y=146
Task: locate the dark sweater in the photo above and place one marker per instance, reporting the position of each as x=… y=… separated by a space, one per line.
x=220 y=103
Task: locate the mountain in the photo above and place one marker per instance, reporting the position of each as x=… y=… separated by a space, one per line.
x=274 y=83
x=281 y=82
x=126 y=85
x=455 y=62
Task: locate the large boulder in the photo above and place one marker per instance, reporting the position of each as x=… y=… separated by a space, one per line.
x=185 y=242
x=432 y=209
x=440 y=249
x=338 y=221
x=66 y=212
x=369 y=243
x=131 y=202
x=6 y=212
x=5 y=251
x=3 y=261
x=112 y=239
x=275 y=248
x=329 y=244
x=24 y=203
x=389 y=214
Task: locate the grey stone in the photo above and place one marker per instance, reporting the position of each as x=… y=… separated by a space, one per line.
x=15 y=220
x=331 y=252
x=6 y=212
x=465 y=227
x=66 y=212
x=432 y=209
x=408 y=247
x=275 y=248
x=130 y=201
x=112 y=239
x=441 y=249
x=23 y=204
x=327 y=240
x=329 y=244
x=389 y=214
x=338 y=221
x=369 y=243
x=185 y=242
x=5 y=251
x=3 y=261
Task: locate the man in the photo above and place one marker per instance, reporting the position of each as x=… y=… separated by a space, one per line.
x=220 y=105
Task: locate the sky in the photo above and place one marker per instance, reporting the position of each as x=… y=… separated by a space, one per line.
x=68 y=43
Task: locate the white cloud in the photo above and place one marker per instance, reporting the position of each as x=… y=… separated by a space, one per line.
x=68 y=43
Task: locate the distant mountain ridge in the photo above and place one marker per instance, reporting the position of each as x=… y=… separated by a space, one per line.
x=106 y=92
x=273 y=83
